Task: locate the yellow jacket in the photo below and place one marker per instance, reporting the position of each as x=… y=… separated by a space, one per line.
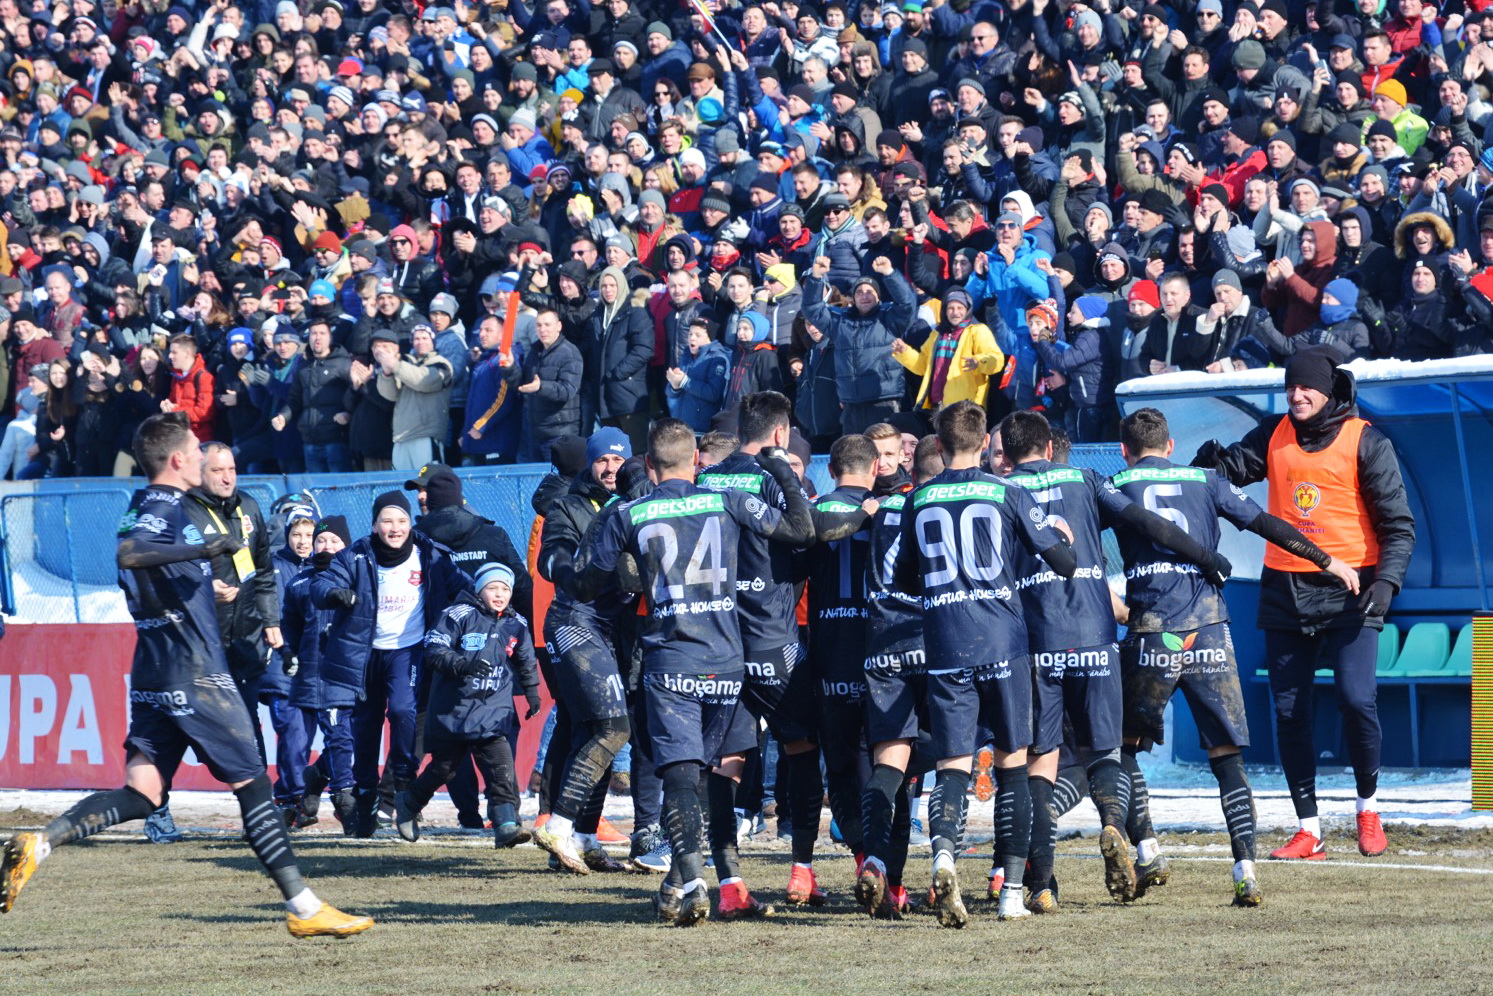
x=975 y=343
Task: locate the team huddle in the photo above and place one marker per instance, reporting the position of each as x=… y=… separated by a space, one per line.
x=958 y=620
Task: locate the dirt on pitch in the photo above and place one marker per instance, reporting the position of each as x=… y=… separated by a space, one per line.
x=119 y=915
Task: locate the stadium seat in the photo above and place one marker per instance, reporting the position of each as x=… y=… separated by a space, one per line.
x=1426 y=649
x=1389 y=648
x=1459 y=664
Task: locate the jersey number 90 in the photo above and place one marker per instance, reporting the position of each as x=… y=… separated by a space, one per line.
x=973 y=546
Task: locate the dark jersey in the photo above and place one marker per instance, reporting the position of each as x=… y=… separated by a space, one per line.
x=1073 y=613
x=957 y=544
x=1164 y=593
x=894 y=631
x=766 y=602
x=169 y=593
x=837 y=593
x=685 y=540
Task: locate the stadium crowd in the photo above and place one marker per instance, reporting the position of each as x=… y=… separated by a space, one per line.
x=365 y=236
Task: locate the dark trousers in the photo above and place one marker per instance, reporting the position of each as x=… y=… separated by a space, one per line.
x=494 y=758
x=390 y=689
x=1293 y=659
x=336 y=759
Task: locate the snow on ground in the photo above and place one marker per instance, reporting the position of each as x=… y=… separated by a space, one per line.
x=42 y=597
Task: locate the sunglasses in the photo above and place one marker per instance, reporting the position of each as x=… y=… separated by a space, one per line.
x=1006 y=226
x=399 y=242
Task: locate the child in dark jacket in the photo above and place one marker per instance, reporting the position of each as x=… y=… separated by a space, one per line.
x=754 y=360
x=480 y=656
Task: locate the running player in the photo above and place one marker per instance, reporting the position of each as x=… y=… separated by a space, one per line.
x=1179 y=633
x=580 y=641
x=776 y=688
x=958 y=531
x=181 y=694
x=1072 y=631
x=684 y=539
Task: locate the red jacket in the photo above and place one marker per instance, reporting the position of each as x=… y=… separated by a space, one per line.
x=192 y=392
x=42 y=349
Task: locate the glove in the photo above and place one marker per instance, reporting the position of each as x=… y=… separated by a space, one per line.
x=292 y=665
x=473 y=668
x=531 y=696
x=1375 y=601
x=343 y=597
x=220 y=545
x=632 y=480
x=1208 y=454
x=1218 y=569
x=774 y=460
x=1370 y=310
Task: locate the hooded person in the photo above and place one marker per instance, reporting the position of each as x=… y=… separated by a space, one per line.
x=386 y=591
x=472 y=539
x=1299 y=289
x=1330 y=471
x=1084 y=363
x=697 y=387
x=1338 y=330
x=1425 y=324
x=754 y=360
x=957 y=361
x=622 y=347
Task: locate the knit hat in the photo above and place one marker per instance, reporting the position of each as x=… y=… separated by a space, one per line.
x=958 y=295
x=323 y=288
x=391 y=499
x=1091 y=19
x=1346 y=133
x=1382 y=127
x=782 y=273
x=493 y=574
x=523 y=116
x=443 y=490
x=652 y=197
x=1345 y=290
x=1092 y=306
x=608 y=442
x=1249 y=54
x=1044 y=311
x=1113 y=250
x=1246 y=129
x=1217 y=191
x=1147 y=291
x=1242 y=243
x=1313 y=367
x=1394 y=90
x=337 y=526
x=445 y=304
x=1156 y=202
x=1227 y=278
x=241 y=335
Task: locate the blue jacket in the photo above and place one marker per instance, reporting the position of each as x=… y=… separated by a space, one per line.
x=864 y=368
x=489 y=390
x=350 y=642
x=476 y=707
x=700 y=399
x=305 y=628
x=274 y=681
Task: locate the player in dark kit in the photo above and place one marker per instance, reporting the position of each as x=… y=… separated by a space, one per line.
x=959 y=531
x=895 y=673
x=1071 y=626
x=775 y=688
x=1179 y=632
x=181 y=694
x=684 y=539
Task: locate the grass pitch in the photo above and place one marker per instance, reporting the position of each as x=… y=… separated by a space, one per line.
x=454 y=916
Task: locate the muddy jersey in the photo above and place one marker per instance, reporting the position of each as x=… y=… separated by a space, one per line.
x=176 y=619
x=838 y=595
x=894 y=631
x=959 y=534
x=685 y=539
x=766 y=603
x=1066 y=614
x=1163 y=592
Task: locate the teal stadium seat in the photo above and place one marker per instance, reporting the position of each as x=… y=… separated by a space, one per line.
x=1389 y=648
x=1426 y=650
x=1459 y=664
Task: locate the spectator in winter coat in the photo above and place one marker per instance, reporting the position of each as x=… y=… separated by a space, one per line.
x=549 y=379
x=36 y=348
x=191 y=387
x=1300 y=289
x=494 y=409
x=698 y=385
x=1080 y=364
x=472 y=540
x=370 y=429
x=1015 y=275
x=754 y=361
x=816 y=401
x=1174 y=340
x=315 y=404
x=957 y=361
x=868 y=377
x=624 y=343
x=420 y=387
x=1425 y=325
x=1337 y=327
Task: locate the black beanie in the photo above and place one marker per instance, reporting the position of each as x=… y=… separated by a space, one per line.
x=1313 y=367
x=442 y=490
x=568 y=454
x=336 y=525
x=394 y=498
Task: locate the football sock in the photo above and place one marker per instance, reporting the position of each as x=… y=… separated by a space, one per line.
x=806 y=793
x=1238 y=804
x=1109 y=786
x=946 y=811
x=1138 y=822
x=1071 y=787
x=265 y=827
x=878 y=805
x=95 y=813
x=1368 y=786
x=1044 y=831
x=589 y=817
x=1013 y=815
x=1312 y=825
x=1368 y=803
x=1146 y=850
x=722 y=794
x=588 y=768
x=844 y=805
x=682 y=817
x=896 y=858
